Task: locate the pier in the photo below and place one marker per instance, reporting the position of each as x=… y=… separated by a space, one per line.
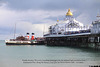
x=71 y=32
x=89 y=40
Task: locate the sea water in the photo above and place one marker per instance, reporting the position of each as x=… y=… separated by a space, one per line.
x=47 y=56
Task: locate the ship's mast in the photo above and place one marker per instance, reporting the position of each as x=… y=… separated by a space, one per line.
x=43 y=29
x=15 y=31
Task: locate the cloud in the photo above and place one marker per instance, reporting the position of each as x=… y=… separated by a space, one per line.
x=84 y=18
x=38 y=29
x=31 y=15
x=52 y=4
x=26 y=20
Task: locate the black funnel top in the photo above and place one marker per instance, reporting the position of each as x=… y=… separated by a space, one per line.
x=32 y=33
x=27 y=33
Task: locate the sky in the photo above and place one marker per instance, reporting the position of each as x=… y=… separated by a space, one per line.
x=35 y=16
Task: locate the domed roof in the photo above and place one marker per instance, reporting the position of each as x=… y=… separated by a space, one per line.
x=69 y=13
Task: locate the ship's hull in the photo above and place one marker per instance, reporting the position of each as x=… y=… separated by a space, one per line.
x=8 y=42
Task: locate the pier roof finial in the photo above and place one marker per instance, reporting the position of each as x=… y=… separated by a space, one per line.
x=57 y=20
x=69 y=13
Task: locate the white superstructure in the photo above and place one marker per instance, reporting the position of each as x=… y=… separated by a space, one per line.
x=96 y=26
x=68 y=26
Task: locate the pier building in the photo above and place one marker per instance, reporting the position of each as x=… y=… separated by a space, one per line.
x=70 y=32
x=68 y=26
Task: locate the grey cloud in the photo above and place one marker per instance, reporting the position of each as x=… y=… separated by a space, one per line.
x=51 y=4
x=88 y=7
